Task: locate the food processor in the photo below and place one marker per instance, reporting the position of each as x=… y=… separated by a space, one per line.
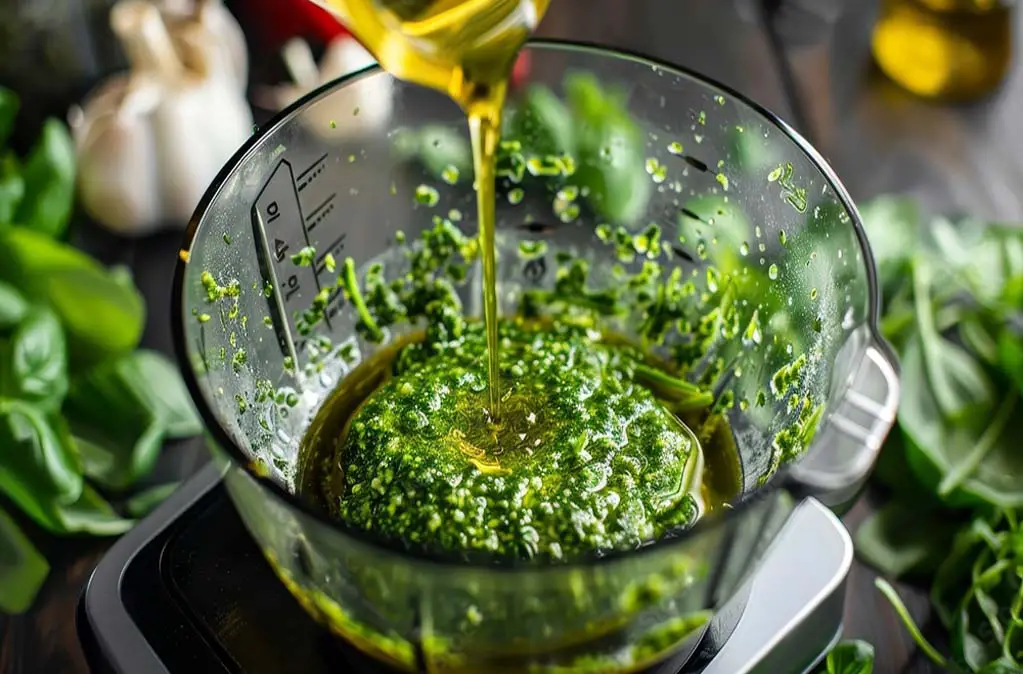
x=781 y=291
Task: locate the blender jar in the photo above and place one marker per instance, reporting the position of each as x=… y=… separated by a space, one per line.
x=779 y=318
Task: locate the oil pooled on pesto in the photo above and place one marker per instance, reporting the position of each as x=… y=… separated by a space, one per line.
x=586 y=458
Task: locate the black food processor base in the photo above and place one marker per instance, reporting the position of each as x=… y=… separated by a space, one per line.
x=188 y=591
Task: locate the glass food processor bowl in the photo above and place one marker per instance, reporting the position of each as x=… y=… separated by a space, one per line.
x=608 y=157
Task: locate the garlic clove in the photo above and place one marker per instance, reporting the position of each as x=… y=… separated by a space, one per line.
x=117 y=184
x=359 y=109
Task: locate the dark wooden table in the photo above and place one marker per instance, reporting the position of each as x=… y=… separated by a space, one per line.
x=808 y=60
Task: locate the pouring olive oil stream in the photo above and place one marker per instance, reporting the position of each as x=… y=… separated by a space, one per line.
x=464 y=48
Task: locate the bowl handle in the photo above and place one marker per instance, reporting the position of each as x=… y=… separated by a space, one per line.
x=848 y=442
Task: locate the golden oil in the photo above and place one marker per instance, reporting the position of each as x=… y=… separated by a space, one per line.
x=952 y=50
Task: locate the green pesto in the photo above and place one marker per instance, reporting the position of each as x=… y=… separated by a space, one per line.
x=586 y=458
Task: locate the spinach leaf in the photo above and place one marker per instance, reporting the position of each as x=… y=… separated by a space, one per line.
x=146 y=501
x=892 y=225
x=37 y=362
x=956 y=380
x=101 y=316
x=12 y=188
x=903 y=539
x=851 y=657
x=22 y=569
x=13 y=308
x=122 y=410
x=9 y=105
x=49 y=175
x=967 y=461
x=39 y=467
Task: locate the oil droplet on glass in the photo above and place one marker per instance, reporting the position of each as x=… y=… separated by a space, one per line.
x=772 y=272
x=675 y=148
x=782 y=237
x=516 y=195
x=744 y=249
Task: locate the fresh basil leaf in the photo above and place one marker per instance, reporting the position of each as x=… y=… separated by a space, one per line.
x=38 y=362
x=122 y=414
x=146 y=501
x=903 y=539
x=157 y=381
x=851 y=657
x=12 y=188
x=101 y=316
x=892 y=224
x=13 y=308
x=22 y=569
x=9 y=105
x=38 y=463
x=91 y=514
x=49 y=174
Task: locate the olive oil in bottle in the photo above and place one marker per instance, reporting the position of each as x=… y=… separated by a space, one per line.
x=954 y=50
x=466 y=49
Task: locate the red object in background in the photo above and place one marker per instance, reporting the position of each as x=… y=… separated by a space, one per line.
x=281 y=20
x=520 y=71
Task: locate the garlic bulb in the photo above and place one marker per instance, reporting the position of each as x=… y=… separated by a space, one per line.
x=191 y=22
x=150 y=141
x=357 y=110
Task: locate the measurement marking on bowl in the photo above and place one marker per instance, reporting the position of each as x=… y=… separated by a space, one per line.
x=282 y=229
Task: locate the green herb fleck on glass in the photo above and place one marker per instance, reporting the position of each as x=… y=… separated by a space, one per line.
x=305 y=257
x=426 y=195
x=450 y=174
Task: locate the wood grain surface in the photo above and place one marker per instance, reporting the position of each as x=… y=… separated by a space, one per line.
x=808 y=61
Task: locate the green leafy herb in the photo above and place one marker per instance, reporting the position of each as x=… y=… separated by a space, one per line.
x=49 y=182
x=12 y=187
x=102 y=316
x=905 y=539
x=22 y=569
x=850 y=657
x=39 y=468
x=90 y=514
x=13 y=308
x=122 y=410
x=9 y=105
x=36 y=362
x=954 y=301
